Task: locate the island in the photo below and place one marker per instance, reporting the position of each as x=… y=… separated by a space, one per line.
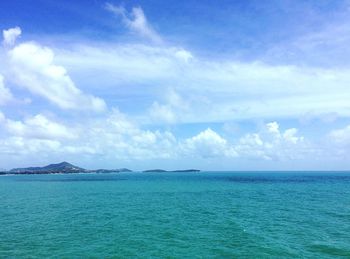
x=68 y=168
x=60 y=168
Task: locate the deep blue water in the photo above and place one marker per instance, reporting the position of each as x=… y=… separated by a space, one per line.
x=176 y=215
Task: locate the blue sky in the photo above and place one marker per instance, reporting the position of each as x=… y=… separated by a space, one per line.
x=240 y=85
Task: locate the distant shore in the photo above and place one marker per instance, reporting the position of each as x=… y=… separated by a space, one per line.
x=67 y=168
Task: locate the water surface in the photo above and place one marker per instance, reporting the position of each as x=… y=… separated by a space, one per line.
x=176 y=215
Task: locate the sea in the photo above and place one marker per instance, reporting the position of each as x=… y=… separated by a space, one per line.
x=176 y=215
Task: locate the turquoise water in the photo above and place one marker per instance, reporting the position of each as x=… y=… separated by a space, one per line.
x=191 y=215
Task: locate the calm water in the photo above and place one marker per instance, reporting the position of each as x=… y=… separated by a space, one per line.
x=193 y=215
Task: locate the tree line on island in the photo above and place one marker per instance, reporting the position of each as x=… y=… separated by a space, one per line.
x=67 y=168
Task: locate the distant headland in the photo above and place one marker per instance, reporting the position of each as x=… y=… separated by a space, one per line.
x=67 y=168
x=61 y=168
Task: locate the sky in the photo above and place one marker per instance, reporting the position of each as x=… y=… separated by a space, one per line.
x=240 y=85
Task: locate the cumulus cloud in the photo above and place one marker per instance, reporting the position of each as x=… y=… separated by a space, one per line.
x=10 y=36
x=20 y=147
x=116 y=137
x=113 y=136
x=208 y=144
x=271 y=143
x=33 y=68
x=5 y=94
x=39 y=127
x=135 y=21
x=33 y=137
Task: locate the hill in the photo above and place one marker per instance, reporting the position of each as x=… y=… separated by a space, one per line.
x=63 y=167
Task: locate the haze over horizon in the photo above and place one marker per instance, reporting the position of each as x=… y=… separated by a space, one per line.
x=244 y=85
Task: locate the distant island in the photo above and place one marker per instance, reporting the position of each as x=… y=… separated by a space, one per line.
x=67 y=168
x=172 y=171
x=61 y=168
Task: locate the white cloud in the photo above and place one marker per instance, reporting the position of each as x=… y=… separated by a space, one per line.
x=162 y=113
x=184 y=55
x=10 y=36
x=2 y=118
x=135 y=21
x=169 y=112
x=32 y=67
x=290 y=136
x=121 y=64
x=271 y=144
x=111 y=137
x=341 y=136
x=268 y=144
x=216 y=91
x=201 y=91
x=208 y=144
x=39 y=127
x=273 y=127
x=21 y=147
x=5 y=94
x=115 y=137
x=337 y=145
